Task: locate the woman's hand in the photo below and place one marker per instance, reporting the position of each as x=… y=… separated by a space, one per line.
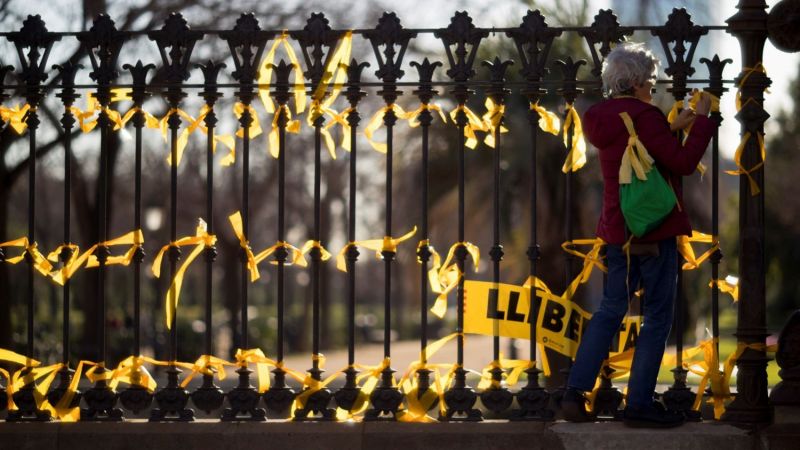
x=684 y=119
x=704 y=104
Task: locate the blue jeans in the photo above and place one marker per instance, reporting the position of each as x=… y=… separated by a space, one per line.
x=659 y=279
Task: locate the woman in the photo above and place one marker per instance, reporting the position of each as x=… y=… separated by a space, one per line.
x=629 y=73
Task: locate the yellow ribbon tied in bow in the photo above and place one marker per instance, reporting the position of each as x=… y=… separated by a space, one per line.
x=40 y=263
x=686 y=250
x=256 y=356
x=183 y=137
x=730 y=285
x=548 y=121
x=413 y=116
x=16 y=117
x=515 y=366
x=201 y=240
x=265 y=75
x=292 y=126
x=493 y=119
x=87 y=118
x=576 y=158
x=238 y=230
x=474 y=123
x=376 y=122
x=636 y=159
x=387 y=244
x=444 y=278
x=88 y=259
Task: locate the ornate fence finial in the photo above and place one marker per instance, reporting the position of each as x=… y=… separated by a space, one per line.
x=605 y=30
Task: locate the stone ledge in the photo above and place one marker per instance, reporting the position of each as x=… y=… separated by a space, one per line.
x=487 y=435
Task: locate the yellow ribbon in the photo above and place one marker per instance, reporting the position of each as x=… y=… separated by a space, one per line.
x=590 y=259
x=311 y=244
x=376 y=122
x=183 y=137
x=413 y=116
x=387 y=244
x=87 y=118
x=686 y=250
x=548 y=121
x=40 y=263
x=198 y=124
x=16 y=117
x=418 y=406
x=576 y=158
x=131 y=371
x=492 y=119
x=474 y=123
x=207 y=365
x=730 y=285
x=292 y=126
x=201 y=240
x=443 y=279
x=133 y=238
x=257 y=357
x=737 y=158
x=759 y=67
x=238 y=229
x=636 y=158
x=516 y=367
x=265 y=75
x=296 y=255
x=317 y=110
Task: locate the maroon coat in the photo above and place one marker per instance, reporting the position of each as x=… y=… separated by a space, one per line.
x=606 y=131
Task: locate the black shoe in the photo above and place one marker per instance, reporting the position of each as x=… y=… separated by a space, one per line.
x=573 y=406
x=653 y=416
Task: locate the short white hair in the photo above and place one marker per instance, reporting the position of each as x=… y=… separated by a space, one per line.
x=627 y=65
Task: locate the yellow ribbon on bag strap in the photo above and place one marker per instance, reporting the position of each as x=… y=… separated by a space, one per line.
x=265 y=75
x=16 y=117
x=492 y=120
x=238 y=229
x=201 y=240
x=686 y=250
x=204 y=365
x=729 y=285
x=444 y=279
x=413 y=116
x=376 y=122
x=576 y=158
x=636 y=158
x=548 y=121
x=474 y=123
x=133 y=238
x=40 y=263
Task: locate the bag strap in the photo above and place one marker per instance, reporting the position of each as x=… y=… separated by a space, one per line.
x=636 y=158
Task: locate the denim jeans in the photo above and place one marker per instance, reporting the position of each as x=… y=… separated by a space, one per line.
x=658 y=275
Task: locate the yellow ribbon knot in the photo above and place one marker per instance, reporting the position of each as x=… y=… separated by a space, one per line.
x=548 y=121
x=296 y=255
x=376 y=122
x=515 y=366
x=292 y=126
x=265 y=75
x=40 y=263
x=729 y=285
x=207 y=365
x=492 y=120
x=444 y=278
x=386 y=244
x=16 y=117
x=183 y=138
x=686 y=250
x=134 y=239
x=413 y=116
x=474 y=123
x=257 y=357
x=201 y=240
x=238 y=229
x=576 y=158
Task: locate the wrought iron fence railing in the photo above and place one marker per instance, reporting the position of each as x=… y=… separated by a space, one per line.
x=279 y=94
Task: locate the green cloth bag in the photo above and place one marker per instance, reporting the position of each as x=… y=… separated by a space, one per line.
x=645 y=198
x=646 y=203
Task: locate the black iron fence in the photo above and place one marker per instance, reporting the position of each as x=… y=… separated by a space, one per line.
x=301 y=93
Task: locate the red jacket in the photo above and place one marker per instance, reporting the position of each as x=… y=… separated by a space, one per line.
x=605 y=130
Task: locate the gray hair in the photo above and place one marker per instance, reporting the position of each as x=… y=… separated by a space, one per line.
x=627 y=65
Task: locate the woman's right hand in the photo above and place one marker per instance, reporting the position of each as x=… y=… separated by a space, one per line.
x=703 y=105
